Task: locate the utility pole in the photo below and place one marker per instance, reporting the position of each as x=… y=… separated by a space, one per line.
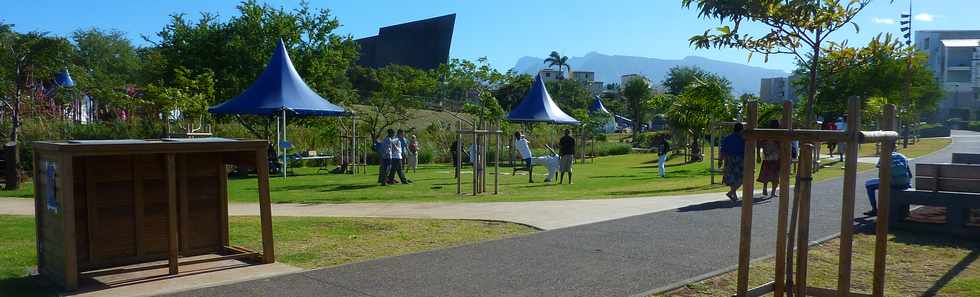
x=909 y=105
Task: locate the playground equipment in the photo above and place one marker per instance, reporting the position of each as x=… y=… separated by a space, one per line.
x=788 y=236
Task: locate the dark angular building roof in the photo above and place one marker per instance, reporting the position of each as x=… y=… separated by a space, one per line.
x=421 y=44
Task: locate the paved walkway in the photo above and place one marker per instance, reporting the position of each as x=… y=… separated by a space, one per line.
x=545 y=215
x=632 y=256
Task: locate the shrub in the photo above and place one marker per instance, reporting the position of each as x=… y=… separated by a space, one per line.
x=612 y=149
x=973 y=126
x=645 y=139
x=933 y=130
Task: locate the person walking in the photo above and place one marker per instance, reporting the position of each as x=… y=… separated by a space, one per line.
x=769 y=173
x=842 y=146
x=732 y=153
x=413 y=153
x=524 y=148
x=454 y=152
x=381 y=147
x=901 y=175
x=663 y=149
x=566 y=148
x=395 y=165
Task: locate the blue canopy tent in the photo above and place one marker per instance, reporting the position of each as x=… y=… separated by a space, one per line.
x=537 y=107
x=599 y=108
x=279 y=91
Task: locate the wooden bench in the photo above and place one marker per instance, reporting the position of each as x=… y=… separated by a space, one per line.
x=965 y=158
x=955 y=187
x=8 y=166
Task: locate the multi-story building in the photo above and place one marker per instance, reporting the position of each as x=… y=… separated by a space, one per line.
x=583 y=76
x=548 y=74
x=777 y=90
x=630 y=77
x=954 y=57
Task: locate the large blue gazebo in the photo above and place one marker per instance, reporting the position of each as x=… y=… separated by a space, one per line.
x=537 y=107
x=280 y=91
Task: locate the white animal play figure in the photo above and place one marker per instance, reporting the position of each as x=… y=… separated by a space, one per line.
x=551 y=162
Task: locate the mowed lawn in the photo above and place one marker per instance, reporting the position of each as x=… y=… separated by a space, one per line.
x=917 y=265
x=303 y=242
x=632 y=175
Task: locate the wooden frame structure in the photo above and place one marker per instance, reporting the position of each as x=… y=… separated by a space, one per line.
x=104 y=204
x=354 y=149
x=790 y=236
x=482 y=133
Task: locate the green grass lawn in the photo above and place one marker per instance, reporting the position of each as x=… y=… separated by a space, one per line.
x=633 y=175
x=917 y=265
x=302 y=242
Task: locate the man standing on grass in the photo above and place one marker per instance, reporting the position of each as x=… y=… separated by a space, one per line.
x=395 y=164
x=566 y=148
x=524 y=148
x=663 y=149
x=381 y=147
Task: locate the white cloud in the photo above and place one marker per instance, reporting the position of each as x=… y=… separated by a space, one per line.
x=885 y=21
x=925 y=17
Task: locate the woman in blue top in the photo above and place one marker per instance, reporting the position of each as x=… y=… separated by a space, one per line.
x=732 y=152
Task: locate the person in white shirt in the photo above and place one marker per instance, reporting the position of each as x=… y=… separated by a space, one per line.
x=842 y=126
x=396 y=151
x=524 y=148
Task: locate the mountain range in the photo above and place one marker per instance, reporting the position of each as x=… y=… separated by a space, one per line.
x=609 y=69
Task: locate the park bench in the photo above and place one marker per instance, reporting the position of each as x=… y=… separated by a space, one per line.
x=949 y=194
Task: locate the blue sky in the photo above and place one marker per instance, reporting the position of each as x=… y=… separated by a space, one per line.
x=501 y=30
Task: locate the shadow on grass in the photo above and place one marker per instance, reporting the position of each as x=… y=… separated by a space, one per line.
x=722 y=204
x=26 y=286
x=324 y=188
x=942 y=241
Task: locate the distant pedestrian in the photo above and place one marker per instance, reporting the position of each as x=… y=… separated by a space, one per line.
x=662 y=145
x=901 y=175
x=769 y=173
x=524 y=148
x=412 y=153
x=454 y=152
x=566 y=148
x=395 y=165
x=732 y=154
x=841 y=147
x=830 y=126
x=384 y=157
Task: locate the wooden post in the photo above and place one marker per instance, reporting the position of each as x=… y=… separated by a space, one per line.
x=847 y=208
x=496 y=159
x=785 y=156
x=265 y=207
x=803 y=241
x=747 y=192
x=459 y=158
x=475 y=161
x=884 y=203
x=711 y=152
x=172 y=238
x=66 y=173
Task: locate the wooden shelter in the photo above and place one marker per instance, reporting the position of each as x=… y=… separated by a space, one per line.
x=788 y=235
x=103 y=204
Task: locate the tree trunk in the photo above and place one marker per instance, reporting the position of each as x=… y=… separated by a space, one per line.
x=812 y=88
x=15 y=116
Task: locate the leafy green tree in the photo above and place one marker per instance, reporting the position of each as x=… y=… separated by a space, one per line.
x=570 y=94
x=108 y=63
x=400 y=90
x=679 y=77
x=637 y=92
x=798 y=28
x=880 y=70
x=512 y=89
x=185 y=101
x=702 y=102
x=556 y=59
x=30 y=61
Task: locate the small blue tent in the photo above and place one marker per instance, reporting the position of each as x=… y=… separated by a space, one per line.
x=64 y=79
x=279 y=91
x=537 y=106
x=597 y=106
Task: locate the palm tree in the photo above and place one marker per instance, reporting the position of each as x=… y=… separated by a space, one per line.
x=557 y=59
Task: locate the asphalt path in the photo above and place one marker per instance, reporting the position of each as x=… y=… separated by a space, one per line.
x=631 y=256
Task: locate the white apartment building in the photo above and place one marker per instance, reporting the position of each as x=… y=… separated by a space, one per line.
x=954 y=57
x=548 y=74
x=777 y=89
